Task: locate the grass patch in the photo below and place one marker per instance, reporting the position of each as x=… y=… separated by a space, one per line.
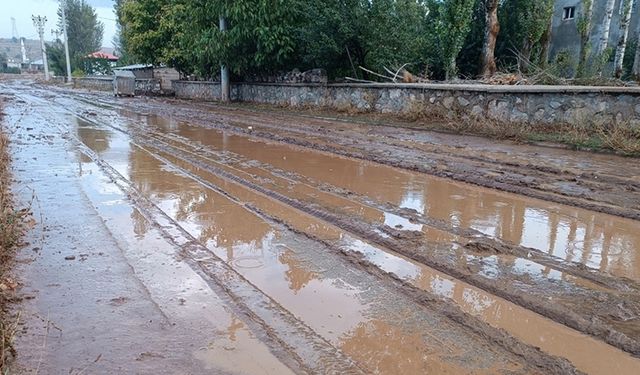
x=622 y=138
x=590 y=134
x=12 y=227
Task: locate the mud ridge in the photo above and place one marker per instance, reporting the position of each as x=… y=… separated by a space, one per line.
x=533 y=355
x=478 y=241
x=496 y=182
x=251 y=301
x=549 y=364
x=588 y=325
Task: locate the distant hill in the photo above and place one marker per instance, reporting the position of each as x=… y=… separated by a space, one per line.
x=11 y=48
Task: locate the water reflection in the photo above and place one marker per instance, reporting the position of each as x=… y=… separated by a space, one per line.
x=303 y=280
x=598 y=240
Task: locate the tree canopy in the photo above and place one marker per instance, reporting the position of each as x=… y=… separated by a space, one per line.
x=84 y=32
x=437 y=38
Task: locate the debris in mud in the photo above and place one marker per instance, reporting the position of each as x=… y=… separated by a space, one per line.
x=399 y=233
x=148 y=355
x=485 y=246
x=119 y=301
x=70 y=257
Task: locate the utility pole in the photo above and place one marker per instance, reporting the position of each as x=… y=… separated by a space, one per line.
x=63 y=4
x=39 y=22
x=14 y=29
x=225 y=92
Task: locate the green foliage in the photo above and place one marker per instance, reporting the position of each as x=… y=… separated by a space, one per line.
x=4 y=69
x=564 y=64
x=629 y=57
x=443 y=37
x=119 y=42
x=469 y=58
x=84 y=32
x=78 y=73
x=93 y=66
x=56 y=58
x=451 y=27
x=523 y=23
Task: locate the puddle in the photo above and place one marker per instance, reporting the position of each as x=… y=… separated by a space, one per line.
x=600 y=241
x=587 y=354
x=301 y=277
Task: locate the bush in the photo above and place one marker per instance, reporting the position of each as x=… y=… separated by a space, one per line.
x=10 y=70
x=78 y=73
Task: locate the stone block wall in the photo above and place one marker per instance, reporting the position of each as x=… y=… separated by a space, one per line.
x=517 y=104
x=94 y=83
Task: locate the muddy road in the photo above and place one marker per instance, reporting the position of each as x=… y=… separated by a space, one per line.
x=182 y=237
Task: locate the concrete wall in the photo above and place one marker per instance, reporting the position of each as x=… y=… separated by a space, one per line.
x=518 y=104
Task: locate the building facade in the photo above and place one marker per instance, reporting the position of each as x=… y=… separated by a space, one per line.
x=566 y=37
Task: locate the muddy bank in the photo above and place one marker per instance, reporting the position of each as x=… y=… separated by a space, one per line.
x=13 y=224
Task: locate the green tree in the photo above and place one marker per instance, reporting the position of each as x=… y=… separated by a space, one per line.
x=56 y=57
x=524 y=24
x=119 y=41
x=399 y=36
x=332 y=35
x=83 y=30
x=584 y=28
x=452 y=27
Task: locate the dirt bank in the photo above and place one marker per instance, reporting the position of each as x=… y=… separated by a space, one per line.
x=12 y=227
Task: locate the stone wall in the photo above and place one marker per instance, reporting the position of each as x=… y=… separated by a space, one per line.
x=94 y=83
x=518 y=104
x=150 y=86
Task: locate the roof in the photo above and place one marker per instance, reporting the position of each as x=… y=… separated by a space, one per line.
x=134 y=67
x=103 y=55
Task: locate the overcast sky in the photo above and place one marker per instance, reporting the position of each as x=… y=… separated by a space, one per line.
x=22 y=10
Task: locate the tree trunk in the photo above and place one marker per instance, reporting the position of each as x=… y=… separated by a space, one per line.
x=491 y=30
x=451 y=70
x=545 y=45
x=604 y=37
x=585 y=34
x=622 y=42
x=525 y=56
x=606 y=27
x=636 y=60
x=225 y=88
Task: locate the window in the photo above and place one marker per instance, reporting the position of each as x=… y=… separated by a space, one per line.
x=568 y=13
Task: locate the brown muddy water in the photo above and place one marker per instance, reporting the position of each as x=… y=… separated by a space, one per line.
x=306 y=293
x=599 y=241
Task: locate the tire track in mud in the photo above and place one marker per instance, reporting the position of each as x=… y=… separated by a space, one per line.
x=532 y=355
x=440 y=164
x=576 y=320
x=510 y=179
x=580 y=321
x=310 y=350
x=329 y=218
x=205 y=259
x=475 y=240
